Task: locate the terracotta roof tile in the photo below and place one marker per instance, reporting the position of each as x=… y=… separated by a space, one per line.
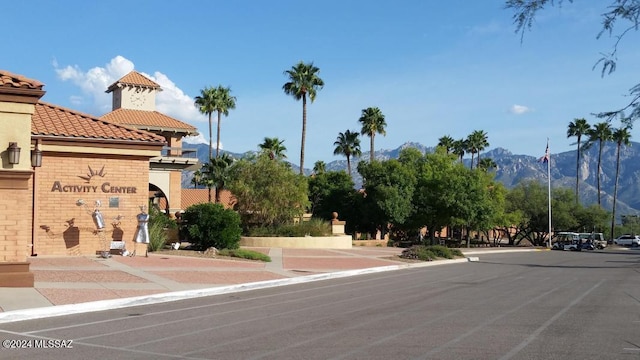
x=52 y=120
x=148 y=120
x=134 y=78
x=18 y=81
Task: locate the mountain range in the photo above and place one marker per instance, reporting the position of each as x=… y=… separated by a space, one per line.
x=512 y=169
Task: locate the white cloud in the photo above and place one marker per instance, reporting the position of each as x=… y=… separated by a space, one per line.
x=200 y=139
x=519 y=109
x=93 y=83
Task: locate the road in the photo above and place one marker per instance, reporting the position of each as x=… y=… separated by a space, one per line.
x=534 y=305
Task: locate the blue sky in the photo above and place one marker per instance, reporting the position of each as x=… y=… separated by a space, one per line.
x=434 y=68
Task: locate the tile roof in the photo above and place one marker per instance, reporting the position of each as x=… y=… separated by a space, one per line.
x=148 y=120
x=134 y=78
x=53 y=120
x=10 y=79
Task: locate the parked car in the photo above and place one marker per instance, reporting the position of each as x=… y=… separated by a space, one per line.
x=597 y=239
x=627 y=240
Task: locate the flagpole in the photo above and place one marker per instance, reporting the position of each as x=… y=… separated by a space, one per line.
x=549 y=189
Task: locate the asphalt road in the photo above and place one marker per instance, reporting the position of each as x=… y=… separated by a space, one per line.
x=537 y=305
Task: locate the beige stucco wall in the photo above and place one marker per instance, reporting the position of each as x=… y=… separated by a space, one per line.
x=320 y=242
x=15 y=126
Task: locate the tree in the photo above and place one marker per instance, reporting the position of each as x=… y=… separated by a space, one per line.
x=373 y=123
x=267 y=192
x=319 y=167
x=218 y=100
x=577 y=128
x=274 y=148
x=303 y=82
x=388 y=192
x=331 y=191
x=215 y=173
x=347 y=144
x=447 y=143
x=600 y=133
x=622 y=137
x=459 y=148
x=619 y=12
x=487 y=164
x=476 y=142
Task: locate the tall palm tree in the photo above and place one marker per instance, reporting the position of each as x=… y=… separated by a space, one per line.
x=348 y=144
x=303 y=81
x=476 y=142
x=274 y=147
x=621 y=136
x=600 y=133
x=459 y=148
x=217 y=99
x=372 y=121
x=577 y=128
x=319 y=167
x=216 y=173
x=447 y=142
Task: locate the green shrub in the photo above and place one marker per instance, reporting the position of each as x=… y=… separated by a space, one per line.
x=211 y=225
x=313 y=227
x=158 y=221
x=245 y=254
x=429 y=253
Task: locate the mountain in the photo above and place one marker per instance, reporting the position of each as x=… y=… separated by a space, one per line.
x=512 y=169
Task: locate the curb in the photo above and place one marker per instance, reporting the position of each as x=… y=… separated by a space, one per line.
x=69 y=309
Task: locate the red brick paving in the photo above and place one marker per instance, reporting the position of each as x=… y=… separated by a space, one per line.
x=105 y=276
x=156 y=261
x=75 y=296
x=333 y=263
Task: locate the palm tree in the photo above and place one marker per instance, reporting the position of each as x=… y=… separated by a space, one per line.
x=274 y=147
x=216 y=173
x=347 y=144
x=216 y=99
x=577 y=128
x=319 y=167
x=600 y=133
x=447 y=142
x=476 y=142
x=487 y=164
x=303 y=82
x=372 y=121
x=459 y=148
x=621 y=136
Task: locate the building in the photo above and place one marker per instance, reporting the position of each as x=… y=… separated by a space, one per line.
x=72 y=183
x=134 y=105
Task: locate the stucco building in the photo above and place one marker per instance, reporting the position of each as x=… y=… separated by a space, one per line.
x=60 y=166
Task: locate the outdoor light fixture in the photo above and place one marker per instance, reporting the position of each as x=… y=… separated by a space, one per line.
x=14 y=153
x=36 y=157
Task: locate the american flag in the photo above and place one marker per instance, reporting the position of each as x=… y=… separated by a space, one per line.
x=545 y=158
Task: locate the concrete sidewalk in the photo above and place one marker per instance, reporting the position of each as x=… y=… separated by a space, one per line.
x=62 y=283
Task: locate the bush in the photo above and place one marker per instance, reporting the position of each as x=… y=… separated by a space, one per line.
x=245 y=254
x=429 y=253
x=211 y=225
x=158 y=222
x=313 y=227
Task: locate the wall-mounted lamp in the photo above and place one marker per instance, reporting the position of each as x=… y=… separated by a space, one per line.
x=36 y=157
x=14 y=153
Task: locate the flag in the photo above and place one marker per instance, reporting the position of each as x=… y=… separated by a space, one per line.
x=545 y=159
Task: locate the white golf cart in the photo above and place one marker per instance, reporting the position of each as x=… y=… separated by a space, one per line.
x=567 y=241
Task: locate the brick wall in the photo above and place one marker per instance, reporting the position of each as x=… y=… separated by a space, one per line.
x=62 y=227
x=15 y=225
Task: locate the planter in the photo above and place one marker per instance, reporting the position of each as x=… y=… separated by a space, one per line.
x=306 y=242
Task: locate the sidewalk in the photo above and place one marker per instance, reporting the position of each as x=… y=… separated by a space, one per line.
x=119 y=281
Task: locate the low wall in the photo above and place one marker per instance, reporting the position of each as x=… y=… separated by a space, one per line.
x=308 y=242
